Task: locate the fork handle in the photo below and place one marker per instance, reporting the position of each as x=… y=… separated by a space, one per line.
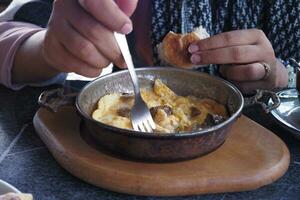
x=123 y=45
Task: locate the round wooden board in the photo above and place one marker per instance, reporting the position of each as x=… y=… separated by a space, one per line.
x=251 y=157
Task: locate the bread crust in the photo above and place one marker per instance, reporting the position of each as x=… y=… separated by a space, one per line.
x=175 y=49
x=16 y=196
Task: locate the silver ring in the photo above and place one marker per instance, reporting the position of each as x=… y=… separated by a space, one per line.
x=267 y=68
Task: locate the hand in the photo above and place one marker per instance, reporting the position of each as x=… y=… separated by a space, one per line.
x=79 y=37
x=242 y=55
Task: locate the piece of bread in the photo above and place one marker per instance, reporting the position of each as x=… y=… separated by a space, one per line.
x=16 y=196
x=173 y=50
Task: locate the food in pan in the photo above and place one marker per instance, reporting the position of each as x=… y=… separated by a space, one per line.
x=173 y=50
x=172 y=113
x=16 y=196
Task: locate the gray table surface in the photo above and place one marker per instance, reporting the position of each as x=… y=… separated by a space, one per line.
x=26 y=163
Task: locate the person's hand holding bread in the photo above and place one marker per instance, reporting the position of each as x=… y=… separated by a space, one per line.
x=246 y=57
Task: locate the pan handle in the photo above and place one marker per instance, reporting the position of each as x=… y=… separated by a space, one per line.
x=54 y=99
x=262 y=98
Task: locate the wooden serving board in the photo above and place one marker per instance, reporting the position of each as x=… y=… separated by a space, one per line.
x=250 y=158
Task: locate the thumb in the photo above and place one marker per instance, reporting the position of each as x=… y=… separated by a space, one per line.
x=127 y=6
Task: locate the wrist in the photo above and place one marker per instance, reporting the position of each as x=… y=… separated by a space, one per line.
x=281 y=75
x=29 y=63
x=48 y=66
x=291 y=74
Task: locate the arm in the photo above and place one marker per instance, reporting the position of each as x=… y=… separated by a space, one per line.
x=78 y=39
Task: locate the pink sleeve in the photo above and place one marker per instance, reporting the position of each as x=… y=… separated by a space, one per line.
x=12 y=34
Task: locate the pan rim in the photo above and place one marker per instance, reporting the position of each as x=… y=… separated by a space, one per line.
x=138 y=134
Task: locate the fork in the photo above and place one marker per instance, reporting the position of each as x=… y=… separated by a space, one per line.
x=141 y=118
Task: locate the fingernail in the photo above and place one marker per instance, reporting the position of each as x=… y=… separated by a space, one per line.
x=127 y=28
x=195 y=59
x=193 y=48
x=81 y=2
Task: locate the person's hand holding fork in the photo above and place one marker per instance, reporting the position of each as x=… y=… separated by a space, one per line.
x=82 y=34
x=79 y=38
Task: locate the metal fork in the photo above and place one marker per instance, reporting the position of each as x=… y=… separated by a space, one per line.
x=141 y=118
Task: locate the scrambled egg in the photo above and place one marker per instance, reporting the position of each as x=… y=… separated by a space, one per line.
x=171 y=112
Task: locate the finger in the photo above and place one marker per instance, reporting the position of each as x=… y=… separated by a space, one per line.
x=73 y=64
x=247 y=72
x=229 y=55
x=228 y=39
x=108 y=13
x=81 y=48
x=99 y=35
x=127 y=6
x=64 y=61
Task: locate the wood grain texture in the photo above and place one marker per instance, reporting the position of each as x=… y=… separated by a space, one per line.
x=250 y=158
